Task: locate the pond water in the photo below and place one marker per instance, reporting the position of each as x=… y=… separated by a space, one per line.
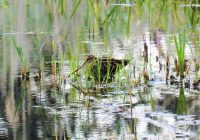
x=56 y=36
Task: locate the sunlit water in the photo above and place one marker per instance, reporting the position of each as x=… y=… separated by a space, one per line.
x=50 y=109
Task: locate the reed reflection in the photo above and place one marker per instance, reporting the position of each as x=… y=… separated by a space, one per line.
x=181 y=107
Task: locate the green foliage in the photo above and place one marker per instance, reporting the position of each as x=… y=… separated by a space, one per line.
x=199 y=43
x=25 y=67
x=75 y=8
x=19 y=51
x=99 y=70
x=192 y=15
x=180 y=50
x=73 y=61
x=61 y=6
x=152 y=103
x=129 y=20
x=4 y=3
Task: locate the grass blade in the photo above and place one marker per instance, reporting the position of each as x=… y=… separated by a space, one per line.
x=75 y=8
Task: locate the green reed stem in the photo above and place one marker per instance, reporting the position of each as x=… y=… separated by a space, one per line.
x=129 y=20
x=180 y=50
x=75 y=8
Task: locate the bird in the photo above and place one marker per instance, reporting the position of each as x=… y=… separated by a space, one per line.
x=103 y=68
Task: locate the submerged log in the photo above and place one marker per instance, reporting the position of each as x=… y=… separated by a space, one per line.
x=103 y=69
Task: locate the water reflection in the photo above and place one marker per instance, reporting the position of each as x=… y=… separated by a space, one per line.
x=181 y=107
x=33 y=109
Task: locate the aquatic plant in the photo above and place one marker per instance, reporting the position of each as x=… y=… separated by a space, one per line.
x=73 y=62
x=39 y=57
x=192 y=15
x=119 y=76
x=61 y=6
x=161 y=19
x=152 y=103
x=180 y=50
x=198 y=46
x=75 y=8
x=99 y=64
x=24 y=67
x=196 y=62
x=104 y=16
x=53 y=61
x=62 y=76
x=129 y=19
x=122 y=76
x=40 y=67
x=4 y=4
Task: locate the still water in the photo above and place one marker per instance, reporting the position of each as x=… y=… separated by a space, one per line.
x=56 y=108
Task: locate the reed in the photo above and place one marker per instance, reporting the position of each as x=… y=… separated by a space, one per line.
x=199 y=43
x=62 y=76
x=118 y=76
x=73 y=62
x=24 y=68
x=40 y=66
x=61 y=6
x=88 y=76
x=129 y=20
x=53 y=60
x=152 y=103
x=122 y=76
x=196 y=62
x=75 y=8
x=99 y=70
x=180 y=50
x=192 y=16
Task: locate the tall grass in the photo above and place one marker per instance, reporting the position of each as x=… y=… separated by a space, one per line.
x=180 y=50
x=199 y=43
x=129 y=20
x=53 y=61
x=99 y=64
x=118 y=76
x=104 y=16
x=192 y=15
x=108 y=73
x=73 y=61
x=88 y=75
x=152 y=103
x=75 y=8
x=24 y=67
x=61 y=6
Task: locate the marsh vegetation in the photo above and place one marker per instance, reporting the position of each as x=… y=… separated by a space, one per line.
x=99 y=69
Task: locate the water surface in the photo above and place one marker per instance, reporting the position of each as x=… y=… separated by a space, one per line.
x=53 y=109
